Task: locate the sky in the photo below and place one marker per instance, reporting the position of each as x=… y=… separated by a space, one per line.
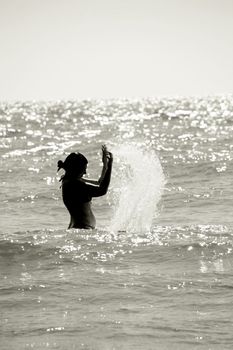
x=78 y=49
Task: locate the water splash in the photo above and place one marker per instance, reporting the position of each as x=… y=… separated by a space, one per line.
x=137 y=184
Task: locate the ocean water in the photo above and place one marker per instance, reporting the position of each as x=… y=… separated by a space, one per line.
x=156 y=273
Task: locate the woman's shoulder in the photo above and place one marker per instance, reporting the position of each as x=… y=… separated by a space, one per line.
x=73 y=183
x=76 y=188
x=71 y=180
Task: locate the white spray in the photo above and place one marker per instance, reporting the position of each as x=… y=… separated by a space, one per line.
x=137 y=185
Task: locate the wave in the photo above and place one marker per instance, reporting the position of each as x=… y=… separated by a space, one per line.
x=103 y=245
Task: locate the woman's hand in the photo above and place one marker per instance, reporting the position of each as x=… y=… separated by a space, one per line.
x=106 y=156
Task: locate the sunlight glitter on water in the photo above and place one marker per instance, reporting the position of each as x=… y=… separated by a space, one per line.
x=164 y=286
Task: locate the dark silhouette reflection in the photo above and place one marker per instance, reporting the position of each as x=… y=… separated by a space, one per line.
x=77 y=192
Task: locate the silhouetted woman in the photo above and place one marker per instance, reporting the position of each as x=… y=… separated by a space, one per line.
x=78 y=192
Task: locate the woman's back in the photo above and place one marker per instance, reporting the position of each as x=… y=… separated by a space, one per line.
x=77 y=200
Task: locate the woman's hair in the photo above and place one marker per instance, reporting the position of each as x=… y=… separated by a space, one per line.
x=74 y=161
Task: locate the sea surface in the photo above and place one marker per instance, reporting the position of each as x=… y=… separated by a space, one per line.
x=156 y=273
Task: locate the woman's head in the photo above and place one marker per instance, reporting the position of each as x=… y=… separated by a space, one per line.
x=75 y=164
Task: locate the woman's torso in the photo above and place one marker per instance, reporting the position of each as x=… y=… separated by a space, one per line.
x=77 y=199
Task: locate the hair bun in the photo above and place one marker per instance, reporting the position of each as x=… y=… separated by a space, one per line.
x=60 y=165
